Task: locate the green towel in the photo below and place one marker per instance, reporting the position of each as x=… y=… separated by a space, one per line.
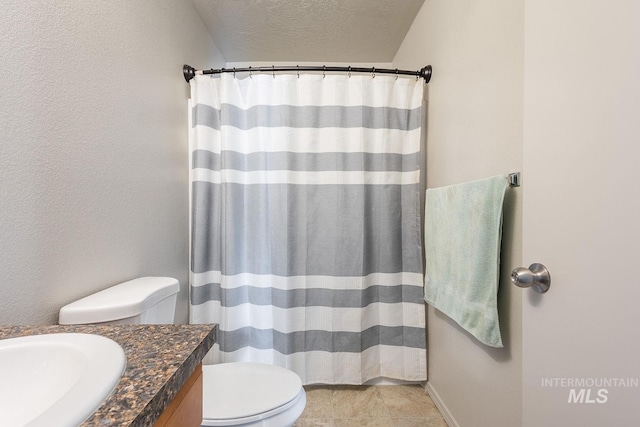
x=463 y=228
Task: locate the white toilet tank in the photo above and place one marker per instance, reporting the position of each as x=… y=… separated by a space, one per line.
x=145 y=300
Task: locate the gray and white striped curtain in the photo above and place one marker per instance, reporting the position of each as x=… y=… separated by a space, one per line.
x=306 y=223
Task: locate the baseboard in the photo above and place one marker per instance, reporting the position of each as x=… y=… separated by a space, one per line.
x=446 y=414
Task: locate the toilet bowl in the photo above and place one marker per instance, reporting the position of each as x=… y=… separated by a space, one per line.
x=233 y=394
x=253 y=395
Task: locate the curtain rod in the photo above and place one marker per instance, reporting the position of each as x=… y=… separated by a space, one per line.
x=425 y=72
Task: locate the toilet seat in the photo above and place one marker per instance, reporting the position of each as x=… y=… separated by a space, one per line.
x=245 y=393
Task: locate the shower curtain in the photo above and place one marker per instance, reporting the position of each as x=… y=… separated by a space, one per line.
x=305 y=241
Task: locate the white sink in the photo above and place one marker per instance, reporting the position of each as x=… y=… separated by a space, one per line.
x=56 y=380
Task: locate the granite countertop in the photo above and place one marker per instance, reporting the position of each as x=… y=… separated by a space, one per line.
x=160 y=358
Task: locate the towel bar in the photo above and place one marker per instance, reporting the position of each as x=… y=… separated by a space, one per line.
x=514 y=179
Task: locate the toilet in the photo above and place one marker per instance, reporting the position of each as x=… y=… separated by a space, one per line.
x=233 y=394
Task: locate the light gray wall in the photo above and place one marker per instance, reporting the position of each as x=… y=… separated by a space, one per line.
x=475 y=110
x=93 y=150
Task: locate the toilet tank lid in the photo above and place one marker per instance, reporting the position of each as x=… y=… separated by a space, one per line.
x=120 y=301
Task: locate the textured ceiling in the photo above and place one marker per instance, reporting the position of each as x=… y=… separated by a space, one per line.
x=308 y=30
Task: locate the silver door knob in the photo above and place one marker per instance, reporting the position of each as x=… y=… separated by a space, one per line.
x=536 y=276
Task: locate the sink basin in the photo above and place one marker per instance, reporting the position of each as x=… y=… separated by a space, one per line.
x=56 y=380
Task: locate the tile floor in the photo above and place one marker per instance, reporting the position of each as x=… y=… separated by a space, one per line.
x=369 y=406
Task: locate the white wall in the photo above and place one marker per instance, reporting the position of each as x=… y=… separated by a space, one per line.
x=93 y=151
x=474 y=130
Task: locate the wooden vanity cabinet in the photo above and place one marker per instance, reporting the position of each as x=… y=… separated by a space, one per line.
x=185 y=410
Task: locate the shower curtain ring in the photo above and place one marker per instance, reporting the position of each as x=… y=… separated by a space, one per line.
x=273 y=67
x=298 y=70
x=349 y=69
x=324 y=71
x=396 y=74
x=373 y=72
x=250 y=72
x=234 y=72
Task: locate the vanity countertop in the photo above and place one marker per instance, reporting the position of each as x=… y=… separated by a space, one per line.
x=160 y=358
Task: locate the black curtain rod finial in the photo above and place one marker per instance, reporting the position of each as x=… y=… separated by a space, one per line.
x=188 y=72
x=425 y=73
